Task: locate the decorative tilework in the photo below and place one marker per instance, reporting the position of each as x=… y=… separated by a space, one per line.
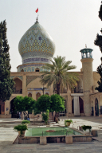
x=36 y=40
x=11 y=77
x=30 y=78
x=34 y=60
x=20 y=77
x=28 y=68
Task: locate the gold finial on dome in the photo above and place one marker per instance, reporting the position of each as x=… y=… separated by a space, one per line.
x=85 y=46
x=37 y=19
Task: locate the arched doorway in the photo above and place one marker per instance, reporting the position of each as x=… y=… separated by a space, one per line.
x=81 y=103
x=37 y=70
x=12 y=109
x=96 y=107
x=2 y=107
x=38 y=95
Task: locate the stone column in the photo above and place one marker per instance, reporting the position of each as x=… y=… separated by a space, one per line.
x=69 y=103
x=24 y=85
x=76 y=106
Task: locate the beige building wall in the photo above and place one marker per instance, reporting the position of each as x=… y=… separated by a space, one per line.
x=87 y=82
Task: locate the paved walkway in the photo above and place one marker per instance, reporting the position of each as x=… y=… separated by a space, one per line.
x=8 y=135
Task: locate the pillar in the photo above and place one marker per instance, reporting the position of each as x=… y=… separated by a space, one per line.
x=24 y=85
x=87 y=83
x=87 y=78
x=76 y=106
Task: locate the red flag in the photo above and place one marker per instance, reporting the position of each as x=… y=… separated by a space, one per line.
x=36 y=10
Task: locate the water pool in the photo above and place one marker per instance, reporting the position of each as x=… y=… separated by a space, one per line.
x=51 y=131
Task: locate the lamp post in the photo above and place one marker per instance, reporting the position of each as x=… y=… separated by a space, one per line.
x=43 y=88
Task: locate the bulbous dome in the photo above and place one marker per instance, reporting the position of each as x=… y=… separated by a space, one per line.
x=36 y=45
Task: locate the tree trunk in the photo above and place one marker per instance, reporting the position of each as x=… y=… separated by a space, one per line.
x=26 y=115
x=58 y=88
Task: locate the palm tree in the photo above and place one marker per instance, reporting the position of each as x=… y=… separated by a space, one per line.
x=57 y=74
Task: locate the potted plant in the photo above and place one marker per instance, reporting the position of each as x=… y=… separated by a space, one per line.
x=68 y=122
x=25 y=122
x=21 y=129
x=86 y=127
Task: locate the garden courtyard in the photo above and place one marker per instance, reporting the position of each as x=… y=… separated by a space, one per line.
x=8 y=135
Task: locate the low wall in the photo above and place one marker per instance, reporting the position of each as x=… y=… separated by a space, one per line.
x=82 y=138
x=26 y=140
x=52 y=139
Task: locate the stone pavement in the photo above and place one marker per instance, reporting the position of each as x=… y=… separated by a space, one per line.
x=8 y=135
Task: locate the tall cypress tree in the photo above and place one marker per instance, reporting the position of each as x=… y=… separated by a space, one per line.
x=98 y=42
x=99 y=71
x=6 y=84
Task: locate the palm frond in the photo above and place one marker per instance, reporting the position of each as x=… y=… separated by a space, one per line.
x=57 y=73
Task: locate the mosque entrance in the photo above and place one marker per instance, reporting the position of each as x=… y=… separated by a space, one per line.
x=79 y=108
x=12 y=109
x=96 y=107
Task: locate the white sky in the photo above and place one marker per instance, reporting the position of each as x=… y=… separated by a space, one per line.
x=71 y=24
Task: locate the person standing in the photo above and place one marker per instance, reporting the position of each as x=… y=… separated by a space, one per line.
x=19 y=115
x=12 y=113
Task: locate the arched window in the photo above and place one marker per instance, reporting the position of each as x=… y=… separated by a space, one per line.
x=22 y=70
x=30 y=95
x=37 y=70
x=38 y=95
x=47 y=93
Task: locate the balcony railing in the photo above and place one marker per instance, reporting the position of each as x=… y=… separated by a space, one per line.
x=78 y=91
x=18 y=91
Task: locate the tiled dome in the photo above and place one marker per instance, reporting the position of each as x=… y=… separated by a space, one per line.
x=36 y=45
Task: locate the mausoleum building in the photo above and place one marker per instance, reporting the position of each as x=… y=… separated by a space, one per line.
x=36 y=48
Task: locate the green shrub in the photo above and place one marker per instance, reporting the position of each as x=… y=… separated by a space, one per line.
x=25 y=122
x=45 y=116
x=20 y=128
x=85 y=127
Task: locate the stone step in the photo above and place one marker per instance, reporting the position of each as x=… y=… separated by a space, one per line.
x=97 y=139
x=5 y=116
x=52 y=122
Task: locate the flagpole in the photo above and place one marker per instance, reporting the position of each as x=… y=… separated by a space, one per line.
x=37 y=15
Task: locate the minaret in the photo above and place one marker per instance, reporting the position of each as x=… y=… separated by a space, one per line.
x=86 y=59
